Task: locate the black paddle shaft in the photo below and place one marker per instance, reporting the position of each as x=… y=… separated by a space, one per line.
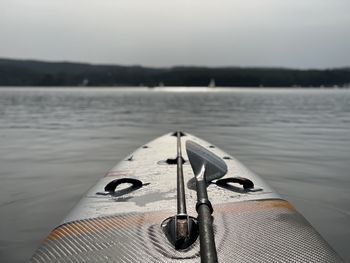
x=205 y=222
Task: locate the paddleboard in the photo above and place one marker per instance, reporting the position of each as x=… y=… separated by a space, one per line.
x=122 y=217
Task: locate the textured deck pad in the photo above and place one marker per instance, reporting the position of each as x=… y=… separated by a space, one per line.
x=250 y=231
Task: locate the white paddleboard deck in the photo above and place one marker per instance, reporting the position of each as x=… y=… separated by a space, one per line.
x=251 y=225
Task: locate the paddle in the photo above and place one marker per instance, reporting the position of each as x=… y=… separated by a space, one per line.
x=206 y=167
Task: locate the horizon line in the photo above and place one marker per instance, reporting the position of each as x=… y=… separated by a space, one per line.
x=168 y=67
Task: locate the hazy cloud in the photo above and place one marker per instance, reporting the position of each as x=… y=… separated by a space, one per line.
x=309 y=33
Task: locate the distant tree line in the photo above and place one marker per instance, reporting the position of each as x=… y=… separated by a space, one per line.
x=37 y=73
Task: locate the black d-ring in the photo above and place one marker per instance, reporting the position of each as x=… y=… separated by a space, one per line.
x=110 y=188
x=247 y=184
x=135 y=184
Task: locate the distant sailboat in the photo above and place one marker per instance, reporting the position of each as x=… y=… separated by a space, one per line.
x=84 y=83
x=212 y=83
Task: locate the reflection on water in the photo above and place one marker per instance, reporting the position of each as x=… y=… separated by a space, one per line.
x=56 y=143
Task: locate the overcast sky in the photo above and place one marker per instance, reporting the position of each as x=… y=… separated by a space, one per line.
x=287 y=33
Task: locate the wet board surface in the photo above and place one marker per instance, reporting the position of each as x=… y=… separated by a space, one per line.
x=250 y=225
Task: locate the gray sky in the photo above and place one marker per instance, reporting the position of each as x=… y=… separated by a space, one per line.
x=288 y=33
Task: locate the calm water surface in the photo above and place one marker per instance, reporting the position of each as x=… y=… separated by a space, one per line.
x=56 y=143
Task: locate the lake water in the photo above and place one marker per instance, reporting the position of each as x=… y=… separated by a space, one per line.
x=55 y=143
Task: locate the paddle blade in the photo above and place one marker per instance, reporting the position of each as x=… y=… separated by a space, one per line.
x=215 y=167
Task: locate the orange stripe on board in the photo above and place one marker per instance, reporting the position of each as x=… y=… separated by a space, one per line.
x=254 y=206
x=128 y=221
x=106 y=223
